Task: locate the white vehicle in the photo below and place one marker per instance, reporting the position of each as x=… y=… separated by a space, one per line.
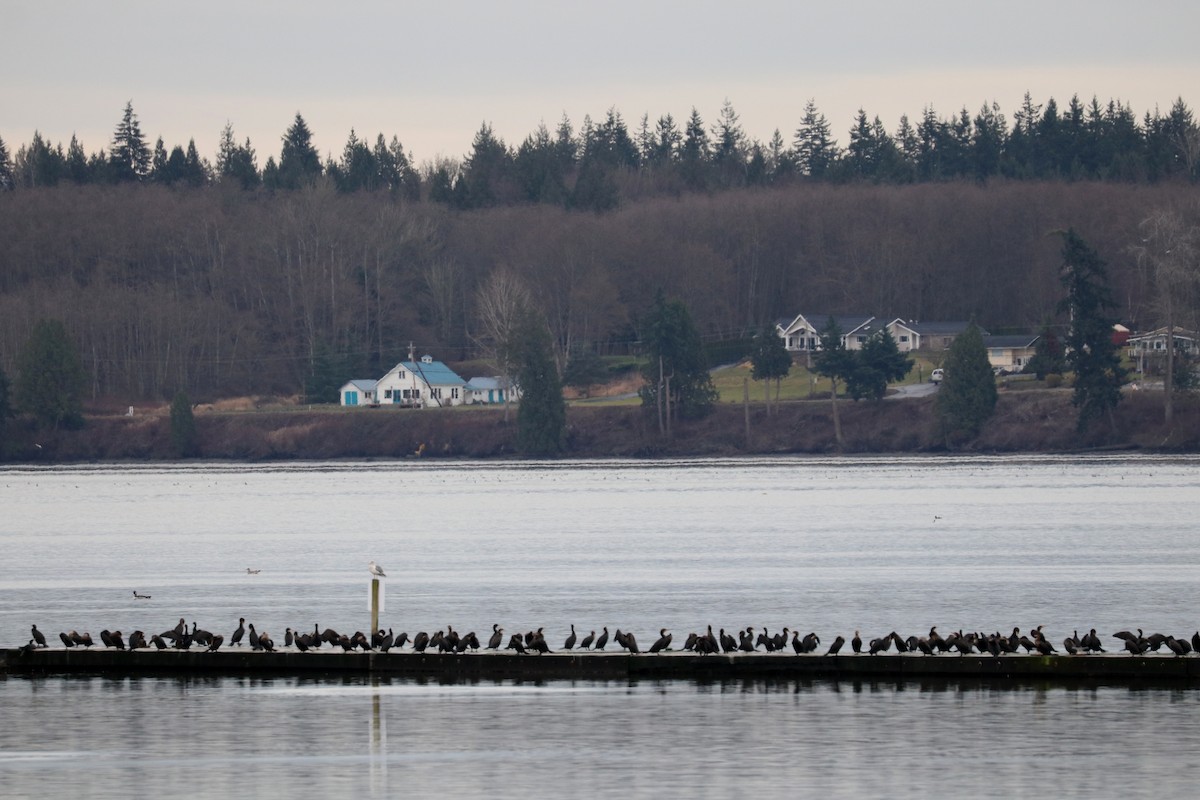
x=937 y=375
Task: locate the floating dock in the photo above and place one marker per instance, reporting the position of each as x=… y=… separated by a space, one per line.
x=675 y=665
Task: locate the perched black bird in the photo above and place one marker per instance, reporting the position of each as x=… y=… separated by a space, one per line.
x=386 y=641
x=264 y=642
x=215 y=643
x=38 y=638
x=603 y=640
x=288 y=637
x=239 y=633
x=66 y=639
x=421 y=641
x=836 y=647
x=497 y=637
x=570 y=642
x=664 y=641
x=253 y=638
x=158 y=642
x=856 y=643
x=516 y=643
x=587 y=640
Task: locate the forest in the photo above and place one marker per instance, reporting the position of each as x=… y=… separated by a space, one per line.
x=173 y=273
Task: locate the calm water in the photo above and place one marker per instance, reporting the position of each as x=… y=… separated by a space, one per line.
x=824 y=545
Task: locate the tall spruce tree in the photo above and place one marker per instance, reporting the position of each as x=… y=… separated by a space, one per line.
x=542 y=412
x=816 y=150
x=6 y=168
x=299 y=162
x=5 y=413
x=877 y=364
x=967 y=396
x=1091 y=352
x=50 y=376
x=129 y=158
x=769 y=361
x=835 y=362
x=183 y=426
x=677 y=380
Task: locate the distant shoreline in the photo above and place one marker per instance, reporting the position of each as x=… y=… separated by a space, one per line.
x=1025 y=422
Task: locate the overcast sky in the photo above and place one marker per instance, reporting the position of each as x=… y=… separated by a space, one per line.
x=432 y=72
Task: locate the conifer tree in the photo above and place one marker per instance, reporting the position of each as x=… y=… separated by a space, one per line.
x=50 y=376
x=6 y=167
x=542 y=412
x=1091 y=352
x=815 y=149
x=769 y=360
x=129 y=159
x=183 y=426
x=299 y=162
x=676 y=371
x=967 y=396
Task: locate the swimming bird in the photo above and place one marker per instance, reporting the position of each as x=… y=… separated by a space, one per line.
x=376 y=570
x=239 y=633
x=570 y=642
x=587 y=640
x=664 y=641
x=38 y=638
x=252 y=571
x=137 y=596
x=603 y=640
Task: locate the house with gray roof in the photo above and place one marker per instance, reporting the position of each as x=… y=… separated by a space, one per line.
x=490 y=391
x=927 y=336
x=803 y=333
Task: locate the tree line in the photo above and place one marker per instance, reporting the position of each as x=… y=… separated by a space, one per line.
x=224 y=292
x=606 y=162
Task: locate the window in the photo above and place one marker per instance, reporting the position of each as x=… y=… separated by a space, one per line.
x=387 y=394
x=400 y=374
x=454 y=393
x=904 y=337
x=436 y=393
x=860 y=339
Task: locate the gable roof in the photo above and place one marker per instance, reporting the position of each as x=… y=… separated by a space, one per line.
x=1011 y=340
x=362 y=384
x=847 y=323
x=434 y=373
x=484 y=384
x=933 y=328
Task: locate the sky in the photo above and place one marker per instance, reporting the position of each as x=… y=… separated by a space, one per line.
x=431 y=73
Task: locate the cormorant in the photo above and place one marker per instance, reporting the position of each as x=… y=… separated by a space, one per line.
x=664 y=641
x=38 y=638
x=570 y=642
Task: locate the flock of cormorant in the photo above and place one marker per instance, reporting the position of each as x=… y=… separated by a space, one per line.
x=746 y=641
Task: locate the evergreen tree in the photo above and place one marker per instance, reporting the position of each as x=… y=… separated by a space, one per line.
x=1048 y=356
x=815 y=150
x=299 y=162
x=50 y=376
x=542 y=412
x=584 y=369
x=676 y=371
x=695 y=153
x=486 y=173
x=160 y=162
x=77 y=169
x=769 y=359
x=835 y=362
x=183 y=426
x=129 y=158
x=5 y=413
x=1091 y=352
x=967 y=396
x=877 y=364
x=729 y=148
x=6 y=167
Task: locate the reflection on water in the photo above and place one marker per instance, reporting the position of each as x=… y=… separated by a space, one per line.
x=276 y=737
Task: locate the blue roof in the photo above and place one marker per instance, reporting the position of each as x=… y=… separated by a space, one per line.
x=484 y=384
x=434 y=373
x=363 y=384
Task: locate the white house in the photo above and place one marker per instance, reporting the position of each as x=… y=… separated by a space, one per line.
x=912 y=335
x=413 y=384
x=1155 y=341
x=803 y=334
x=1010 y=353
x=359 y=392
x=488 y=391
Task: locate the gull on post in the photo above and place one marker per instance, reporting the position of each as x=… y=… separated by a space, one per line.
x=376 y=570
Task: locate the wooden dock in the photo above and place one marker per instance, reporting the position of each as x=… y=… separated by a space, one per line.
x=1110 y=668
